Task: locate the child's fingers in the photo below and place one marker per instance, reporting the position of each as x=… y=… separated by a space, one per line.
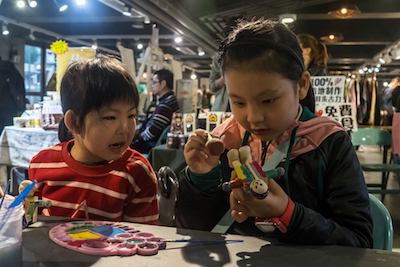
x=233 y=175
x=239 y=216
x=195 y=143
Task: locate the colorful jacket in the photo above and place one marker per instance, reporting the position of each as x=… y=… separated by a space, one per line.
x=325 y=181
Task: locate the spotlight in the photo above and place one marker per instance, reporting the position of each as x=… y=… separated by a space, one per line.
x=127 y=12
x=21 y=4
x=32 y=3
x=32 y=36
x=345 y=12
x=146 y=20
x=332 y=38
x=94 y=45
x=287 y=18
x=5 y=30
x=178 y=39
x=80 y=2
x=200 y=52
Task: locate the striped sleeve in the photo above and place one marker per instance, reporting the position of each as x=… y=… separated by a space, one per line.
x=161 y=119
x=142 y=206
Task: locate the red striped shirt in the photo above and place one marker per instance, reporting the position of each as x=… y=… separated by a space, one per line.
x=121 y=190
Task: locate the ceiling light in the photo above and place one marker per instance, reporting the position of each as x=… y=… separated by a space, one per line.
x=80 y=2
x=5 y=30
x=32 y=3
x=146 y=20
x=353 y=76
x=32 y=36
x=381 y=60
x=332 y=38
x=200 y=52
x=193 y=76
x=345 y=12
x=127 y=12
x=360 y=71
x=63 y=8
x=287 y=18
x=94 y=45
x=178 y=39
x=365 y=69
x=21 y=4
x=139 y=46
x=178 y=48
x=385 y=84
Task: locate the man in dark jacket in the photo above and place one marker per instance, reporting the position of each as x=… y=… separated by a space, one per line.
x=153 y=126
x=12 y=92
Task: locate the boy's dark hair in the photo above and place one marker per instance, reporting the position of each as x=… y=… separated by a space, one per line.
x=91 y=84
x=167 y=76
x=264 y=45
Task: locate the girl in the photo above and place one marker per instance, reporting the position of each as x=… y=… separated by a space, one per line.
x=93 y=173
x=322 y=199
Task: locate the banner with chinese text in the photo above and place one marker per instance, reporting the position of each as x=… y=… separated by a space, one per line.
x=330 y=100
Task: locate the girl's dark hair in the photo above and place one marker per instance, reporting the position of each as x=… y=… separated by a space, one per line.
x=264 y=45
x=91 y=84
x=319 y=53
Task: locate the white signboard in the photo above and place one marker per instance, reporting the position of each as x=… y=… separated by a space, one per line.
x=330 y=100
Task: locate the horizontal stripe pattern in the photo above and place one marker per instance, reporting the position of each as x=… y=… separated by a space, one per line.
x=129 y=189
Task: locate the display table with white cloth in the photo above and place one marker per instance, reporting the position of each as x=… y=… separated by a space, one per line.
x=19 y=145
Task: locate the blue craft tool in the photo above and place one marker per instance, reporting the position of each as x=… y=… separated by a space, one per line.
x=21 y=197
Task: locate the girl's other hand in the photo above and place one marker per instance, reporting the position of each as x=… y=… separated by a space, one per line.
x=244 y=205
x=197 y=156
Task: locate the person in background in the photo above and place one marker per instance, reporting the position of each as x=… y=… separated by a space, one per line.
x=395 y=85
x=217 y=87
x=322 y=198
x=315 y=57
x=12 y=93
x=152 y=128
x=92 y=173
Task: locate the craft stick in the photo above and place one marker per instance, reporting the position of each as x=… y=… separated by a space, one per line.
x=247 y=173
x=232 y=155
x=245 y=154
x=258 y=168
x=238 y=170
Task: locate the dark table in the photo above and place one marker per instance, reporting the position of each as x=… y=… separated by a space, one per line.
x=39 y=250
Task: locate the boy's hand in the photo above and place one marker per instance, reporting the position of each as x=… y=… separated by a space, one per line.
x=197 y=156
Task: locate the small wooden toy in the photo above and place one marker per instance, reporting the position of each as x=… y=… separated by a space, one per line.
x=214 y=145
x=250 y=174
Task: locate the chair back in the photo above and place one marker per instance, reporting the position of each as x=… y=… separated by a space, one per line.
x=371 y=136
x=396 y=134
x=383 y=229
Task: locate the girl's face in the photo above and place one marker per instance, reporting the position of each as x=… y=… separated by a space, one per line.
x=264 y=103
x=106 y=134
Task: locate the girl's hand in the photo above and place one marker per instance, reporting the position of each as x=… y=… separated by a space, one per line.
x=244 y=205
x=197 y=156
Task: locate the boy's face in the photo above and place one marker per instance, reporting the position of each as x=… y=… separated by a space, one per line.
x=106 y=134
x=264 y=103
